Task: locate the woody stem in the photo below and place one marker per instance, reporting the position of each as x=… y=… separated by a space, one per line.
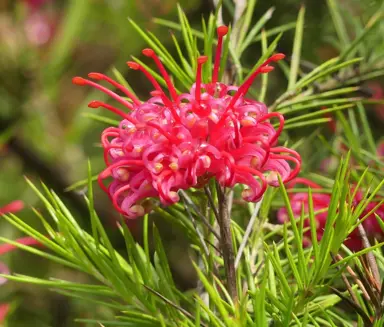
x=226 y=243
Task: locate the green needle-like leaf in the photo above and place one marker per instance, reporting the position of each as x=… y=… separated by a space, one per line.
x=296 y=53
x=338 y=22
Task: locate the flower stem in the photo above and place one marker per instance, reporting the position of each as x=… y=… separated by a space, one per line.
x=226 y=243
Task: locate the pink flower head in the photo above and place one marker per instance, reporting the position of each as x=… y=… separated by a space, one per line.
x=321 y=202
x=172 y=143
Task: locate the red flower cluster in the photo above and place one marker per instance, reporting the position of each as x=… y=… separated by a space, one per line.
x=180 y=141
x=321 y=203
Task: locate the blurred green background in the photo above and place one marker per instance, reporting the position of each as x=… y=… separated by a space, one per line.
x=44 y=133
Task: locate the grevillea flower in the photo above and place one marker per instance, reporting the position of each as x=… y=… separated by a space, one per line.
x=170 y=143
x=321 y=202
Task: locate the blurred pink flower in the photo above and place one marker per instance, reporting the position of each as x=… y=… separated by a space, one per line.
x=39 y=25
x=299 y=202
x=3 y=270
x=35 y=4
x=377 y=94
x=39 y=28
x=9 y=208
x=4 y=309
x=12 y=207
x=167 y=144
x=329 y=164
x=5 y=248
x=331 y=122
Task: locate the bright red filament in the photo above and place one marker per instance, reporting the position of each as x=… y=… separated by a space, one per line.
x=150 y=53
x=221 y=32
x=281 y=125
x=98 y=104
x=243 y=89
x=82 y=81
x=167 y=102
x=169 y=136
x=98 y=76
x=200 y=61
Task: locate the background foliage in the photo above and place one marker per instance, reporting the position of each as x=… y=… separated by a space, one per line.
x=45 y=134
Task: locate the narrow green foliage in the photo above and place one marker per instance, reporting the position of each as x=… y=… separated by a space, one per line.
x=105 y=120
x=265 y=55
x=214 y=297
x=81 y=183
x=325 y=72
x=372 y=24
x=264 y=77
x=277 y=30
x=244 y=25
x=285 y=274
x=338 y=22
x=296 y=53
x=256 y=29
x=120 y=78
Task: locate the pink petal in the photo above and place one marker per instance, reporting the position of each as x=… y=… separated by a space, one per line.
x=4 y=309
x=12 y=207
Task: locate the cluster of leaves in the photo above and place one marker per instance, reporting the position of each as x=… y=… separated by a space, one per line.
x=279 y=282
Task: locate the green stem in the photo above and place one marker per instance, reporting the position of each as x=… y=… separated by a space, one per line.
x=227 y=243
